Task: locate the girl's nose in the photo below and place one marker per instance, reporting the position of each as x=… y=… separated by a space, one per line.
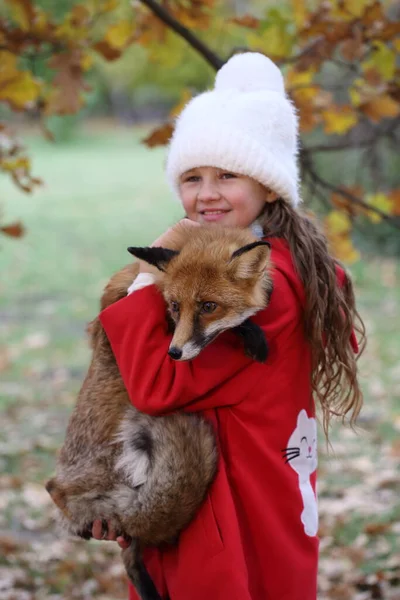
x=208 y=191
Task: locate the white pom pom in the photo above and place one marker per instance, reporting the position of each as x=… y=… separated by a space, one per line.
x=250 y=72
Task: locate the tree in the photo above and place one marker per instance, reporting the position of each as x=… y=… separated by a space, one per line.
x=338 y=56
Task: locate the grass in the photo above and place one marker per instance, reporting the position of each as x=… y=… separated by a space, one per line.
x=102 y=193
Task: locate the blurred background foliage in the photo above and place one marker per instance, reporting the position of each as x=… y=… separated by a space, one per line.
x=139 y=61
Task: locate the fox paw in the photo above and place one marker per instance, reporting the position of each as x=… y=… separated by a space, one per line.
x=102 y=529
x=86 y=532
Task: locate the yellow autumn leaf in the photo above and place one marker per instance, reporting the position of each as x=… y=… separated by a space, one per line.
x=339 y=119
x=338 y=228
x=396 y=44
x=337 y=223
x=8 y=65
x=355 y=91
x=75 y=26
x=356 y=7
x=381 y=107
x=20 y=91
x=382 y=202
x=343 y=249
x=295 y=78
x=67 y=31
x=277 y=41
x=118 y=35
x=254 y=39
x=348 y=10
x=108 y=5
x=383 y=59
x=300 y=13
x=168 y=60
x=22 y=13
x=87 y=61
x=41 y=22
x=339 y=12
x=301 y=84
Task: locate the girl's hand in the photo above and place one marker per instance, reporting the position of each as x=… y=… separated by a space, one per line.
x=102 y=530
x=164 y=240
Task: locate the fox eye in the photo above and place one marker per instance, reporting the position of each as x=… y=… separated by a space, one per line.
x=174 y=307
x=208 y=307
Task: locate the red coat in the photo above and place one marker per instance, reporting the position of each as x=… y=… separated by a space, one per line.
x=254 y=538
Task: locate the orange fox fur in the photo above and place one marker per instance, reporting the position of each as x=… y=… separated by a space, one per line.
x=149 y=475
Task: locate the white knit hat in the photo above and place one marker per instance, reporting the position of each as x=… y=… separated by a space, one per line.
x=246 y=124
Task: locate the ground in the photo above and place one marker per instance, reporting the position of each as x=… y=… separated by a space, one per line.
x=104 y=192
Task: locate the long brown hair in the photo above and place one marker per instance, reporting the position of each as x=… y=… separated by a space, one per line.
x=330 y=311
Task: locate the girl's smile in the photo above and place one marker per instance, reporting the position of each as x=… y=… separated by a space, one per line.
x=211 y=195
x=212 y=215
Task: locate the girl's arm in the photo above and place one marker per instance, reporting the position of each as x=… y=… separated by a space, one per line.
x=137 y=330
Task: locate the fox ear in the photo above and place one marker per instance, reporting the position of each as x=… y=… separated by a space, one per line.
x=158 y=257
x=250 y=260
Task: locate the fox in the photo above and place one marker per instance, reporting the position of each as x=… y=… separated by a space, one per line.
x=148 y=476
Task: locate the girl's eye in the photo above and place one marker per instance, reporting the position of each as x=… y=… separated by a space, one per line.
x=208 y=307
x=174 y=307
x=191 y=179
x=228 y=175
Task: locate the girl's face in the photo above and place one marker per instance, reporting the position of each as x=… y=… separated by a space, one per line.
x=211 y=195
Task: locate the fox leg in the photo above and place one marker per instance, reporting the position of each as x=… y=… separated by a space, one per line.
x=254 y=340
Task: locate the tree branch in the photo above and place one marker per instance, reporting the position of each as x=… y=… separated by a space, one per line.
x=305 y=156
x=309 y=169
x=215 y=61
x=373 y=136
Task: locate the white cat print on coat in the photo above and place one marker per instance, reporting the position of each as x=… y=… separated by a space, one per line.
x=301 y=454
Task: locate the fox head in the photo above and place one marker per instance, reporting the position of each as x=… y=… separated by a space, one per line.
x=212 y=280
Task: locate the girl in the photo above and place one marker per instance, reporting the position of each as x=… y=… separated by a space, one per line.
x=232 y=161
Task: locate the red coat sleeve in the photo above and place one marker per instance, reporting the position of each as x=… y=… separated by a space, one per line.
x=137 y=330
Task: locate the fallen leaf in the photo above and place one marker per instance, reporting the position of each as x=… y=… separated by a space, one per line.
x=376 y=528
x=15 y=230
x=160 y=136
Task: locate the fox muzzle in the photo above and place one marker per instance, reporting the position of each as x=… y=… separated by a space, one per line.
x=175 y=353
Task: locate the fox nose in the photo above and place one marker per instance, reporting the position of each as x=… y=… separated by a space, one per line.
x=175 y=353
